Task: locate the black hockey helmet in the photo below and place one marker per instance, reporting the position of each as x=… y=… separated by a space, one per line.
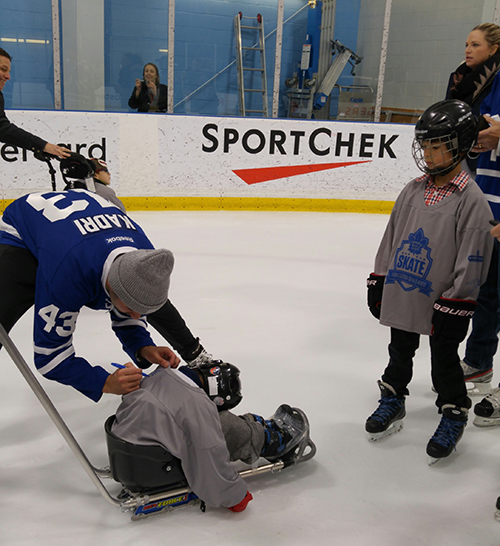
x=221 y=381
x=76 y=171
x=449 y=122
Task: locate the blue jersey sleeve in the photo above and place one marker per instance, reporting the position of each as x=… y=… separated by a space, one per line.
x=488 y=164
x=55 y=358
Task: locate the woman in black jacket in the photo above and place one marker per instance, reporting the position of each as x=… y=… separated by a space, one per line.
x=149 y=95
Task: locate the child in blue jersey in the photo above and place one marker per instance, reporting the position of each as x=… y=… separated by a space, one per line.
x=66 y=250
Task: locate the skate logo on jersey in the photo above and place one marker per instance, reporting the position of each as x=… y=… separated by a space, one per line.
x=100 y=222
x=412 y=264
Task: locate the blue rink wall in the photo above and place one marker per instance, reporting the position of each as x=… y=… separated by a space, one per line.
x=136 y=33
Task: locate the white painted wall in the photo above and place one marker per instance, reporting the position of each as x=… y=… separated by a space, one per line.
x=83 y=54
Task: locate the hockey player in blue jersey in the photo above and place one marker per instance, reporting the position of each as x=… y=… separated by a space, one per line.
x=66 y=250
x=93 y=175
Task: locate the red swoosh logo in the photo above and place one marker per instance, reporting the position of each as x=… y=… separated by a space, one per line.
x=264 y=174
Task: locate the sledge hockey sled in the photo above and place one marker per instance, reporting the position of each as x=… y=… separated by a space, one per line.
x=151 y=477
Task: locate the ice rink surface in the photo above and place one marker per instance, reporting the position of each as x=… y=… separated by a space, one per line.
x=282 y=296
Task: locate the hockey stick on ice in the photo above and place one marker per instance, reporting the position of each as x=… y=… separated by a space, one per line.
x=53 y=413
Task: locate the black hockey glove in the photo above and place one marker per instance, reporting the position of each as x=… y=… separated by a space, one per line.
x=375 y=284
x=451 y=318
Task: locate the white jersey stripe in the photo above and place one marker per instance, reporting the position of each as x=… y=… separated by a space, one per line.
x=488 y=172
x=45 y=351
x=492 y=198
x=9 y=229
x=129 y=322
x=57 y=360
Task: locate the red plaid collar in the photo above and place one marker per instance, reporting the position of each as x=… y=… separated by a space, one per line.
x=434 y=194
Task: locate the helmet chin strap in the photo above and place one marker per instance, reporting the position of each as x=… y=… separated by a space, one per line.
x=89 y=182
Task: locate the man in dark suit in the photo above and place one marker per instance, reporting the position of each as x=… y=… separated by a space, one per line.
x=10 y=133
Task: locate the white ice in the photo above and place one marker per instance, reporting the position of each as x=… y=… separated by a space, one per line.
x=282 y=296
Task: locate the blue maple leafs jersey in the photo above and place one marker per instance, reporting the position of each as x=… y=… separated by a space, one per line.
x=75 y=235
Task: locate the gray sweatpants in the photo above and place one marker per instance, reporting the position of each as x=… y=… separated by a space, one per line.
x=244 y=436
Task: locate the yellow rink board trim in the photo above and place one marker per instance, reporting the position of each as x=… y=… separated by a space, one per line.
x=257 y=203
x=249 y=203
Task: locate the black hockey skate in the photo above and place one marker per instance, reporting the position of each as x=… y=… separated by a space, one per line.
x=487 y=412
x=387 y=419
x=199 y=357
x=497 y=509
x=448 y=433
x=286 y=434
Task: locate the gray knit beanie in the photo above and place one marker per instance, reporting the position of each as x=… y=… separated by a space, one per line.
x=141 y=279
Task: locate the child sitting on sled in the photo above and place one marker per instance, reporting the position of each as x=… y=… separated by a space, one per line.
x=172 y=409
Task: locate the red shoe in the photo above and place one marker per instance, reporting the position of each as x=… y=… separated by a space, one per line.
x=243 y=504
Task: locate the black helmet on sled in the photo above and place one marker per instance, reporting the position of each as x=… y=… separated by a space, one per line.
x=77 y=171
x=221 y=381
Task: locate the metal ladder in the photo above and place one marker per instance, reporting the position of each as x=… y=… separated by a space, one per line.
x=240 y=56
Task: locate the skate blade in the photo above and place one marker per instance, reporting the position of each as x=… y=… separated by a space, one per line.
x=393 y=429
x=483 y=422
x=477 y=389
x=497 y=514
x=431 y=461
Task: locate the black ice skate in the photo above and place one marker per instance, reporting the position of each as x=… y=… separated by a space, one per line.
x=487 y=412
x=387 y=419
x=497 y=510
x=448 y=433
x=287 y=434
x=199 y=357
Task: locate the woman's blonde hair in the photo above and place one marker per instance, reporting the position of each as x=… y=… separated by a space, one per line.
x=491 y=33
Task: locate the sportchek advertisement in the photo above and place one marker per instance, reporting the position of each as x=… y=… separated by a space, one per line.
x=191 y=156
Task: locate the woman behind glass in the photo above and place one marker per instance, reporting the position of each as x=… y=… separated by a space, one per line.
x=149 y=95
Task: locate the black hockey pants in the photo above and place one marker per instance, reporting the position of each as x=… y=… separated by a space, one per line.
x=446 y=372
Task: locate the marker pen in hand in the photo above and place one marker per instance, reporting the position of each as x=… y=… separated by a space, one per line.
x=122 y=366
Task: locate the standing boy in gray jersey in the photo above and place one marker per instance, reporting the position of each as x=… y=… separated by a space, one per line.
x=433 y=258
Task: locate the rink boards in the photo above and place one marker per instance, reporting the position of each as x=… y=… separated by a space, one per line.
x=178 y=162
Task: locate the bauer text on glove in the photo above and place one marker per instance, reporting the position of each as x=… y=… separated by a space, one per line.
x=451 y=318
